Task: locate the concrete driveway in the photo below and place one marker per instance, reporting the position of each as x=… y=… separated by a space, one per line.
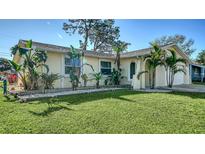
x=190 y=88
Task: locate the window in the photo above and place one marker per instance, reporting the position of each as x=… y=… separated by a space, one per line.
x=105 y=67
x=132 y=70
x=69 y=63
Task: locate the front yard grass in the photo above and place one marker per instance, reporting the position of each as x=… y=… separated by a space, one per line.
x=121 y=111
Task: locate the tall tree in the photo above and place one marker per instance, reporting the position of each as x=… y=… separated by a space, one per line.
x=83 y=27
x=118 y=48
x=201 y=57
x=98 y=33
x=104 y=34
x=185 y=44
x=153 y=60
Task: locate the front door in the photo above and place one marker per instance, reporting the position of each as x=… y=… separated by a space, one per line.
x=132 y=70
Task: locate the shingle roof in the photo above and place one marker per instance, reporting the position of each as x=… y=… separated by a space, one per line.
x=90 y=53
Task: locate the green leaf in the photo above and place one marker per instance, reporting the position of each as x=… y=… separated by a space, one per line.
x=29 y=44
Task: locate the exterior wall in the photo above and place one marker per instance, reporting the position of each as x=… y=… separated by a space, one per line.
x=54 y=62
x=179 y=78
x=161 y=77
x=88 y=70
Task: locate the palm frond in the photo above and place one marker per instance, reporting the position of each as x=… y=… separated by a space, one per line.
x=181 y=60
x=140 y=73
x=15 y=66
x=179 y=70
x=90 y=66
x=45 y=66
x=29 y=44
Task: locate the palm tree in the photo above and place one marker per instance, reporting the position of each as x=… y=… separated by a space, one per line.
x=153 y=60
x=14 y=49
x=172 y=66
x=118 y=47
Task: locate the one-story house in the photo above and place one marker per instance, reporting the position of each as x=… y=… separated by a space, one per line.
x=131 y=64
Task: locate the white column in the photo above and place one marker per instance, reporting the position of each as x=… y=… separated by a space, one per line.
x=187 y=76
x=62 y=71
x=143 y=75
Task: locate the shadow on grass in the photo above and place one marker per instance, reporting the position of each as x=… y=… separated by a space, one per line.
x=9 y=99
x=49 y=110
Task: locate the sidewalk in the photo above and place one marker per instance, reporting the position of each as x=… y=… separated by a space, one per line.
x=65 y=93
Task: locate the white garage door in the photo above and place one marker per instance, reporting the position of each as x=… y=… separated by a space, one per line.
x=179 y=78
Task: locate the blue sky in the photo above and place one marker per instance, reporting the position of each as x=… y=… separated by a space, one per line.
x=137 y=32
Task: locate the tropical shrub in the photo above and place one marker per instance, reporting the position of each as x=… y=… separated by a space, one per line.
x=12 y=78
x=21 y=71
x=106 y=81
x=49 y=79
x=97 y=78
x=116 y=76
x=74 y=79
x=85 y=79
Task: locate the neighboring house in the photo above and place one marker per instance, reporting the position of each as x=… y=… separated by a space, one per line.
x=131 y=64
x=197 y=73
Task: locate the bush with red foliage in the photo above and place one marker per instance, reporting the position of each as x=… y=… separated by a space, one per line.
x=12 y=78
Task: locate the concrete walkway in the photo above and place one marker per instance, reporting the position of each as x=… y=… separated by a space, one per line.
x=65 y=93
x=156 y=90
x=179 y=88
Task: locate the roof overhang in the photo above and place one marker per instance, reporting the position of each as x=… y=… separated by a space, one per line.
x=89 y=53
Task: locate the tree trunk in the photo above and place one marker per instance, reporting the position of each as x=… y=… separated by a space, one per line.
x=118 y=61
x=172 y=79
x=97 y=85
x=170 y=73
x=23 y=80
x=73 y=86
x=150 y=79
x=153 y=79
x=167 y=74
x=86 y=41
x=85 y=83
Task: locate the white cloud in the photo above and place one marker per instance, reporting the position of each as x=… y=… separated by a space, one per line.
x=60 y=36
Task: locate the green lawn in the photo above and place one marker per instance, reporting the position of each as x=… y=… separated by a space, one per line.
x=121 y=111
